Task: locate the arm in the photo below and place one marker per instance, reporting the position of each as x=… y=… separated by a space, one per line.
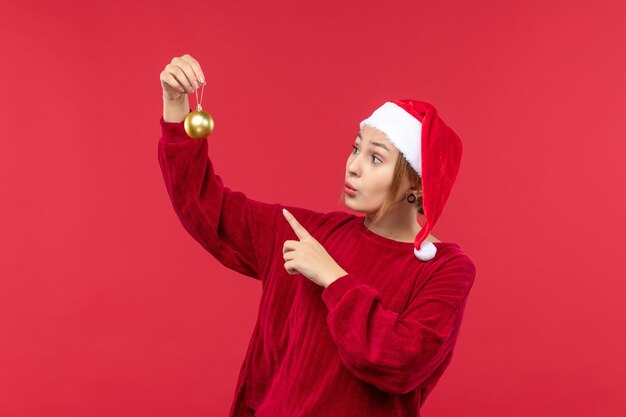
x=233 y=228
x=398 y=352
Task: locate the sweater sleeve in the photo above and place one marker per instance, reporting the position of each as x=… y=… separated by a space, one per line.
x=233 y=228
x=398 y=352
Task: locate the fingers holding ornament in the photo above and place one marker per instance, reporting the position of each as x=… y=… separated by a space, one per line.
x=182 y=74
x=193 y=71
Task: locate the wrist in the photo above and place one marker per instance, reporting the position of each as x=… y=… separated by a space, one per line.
x=175 y=110
x=335 y=276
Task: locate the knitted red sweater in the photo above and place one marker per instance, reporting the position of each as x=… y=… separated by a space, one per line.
x=373 y=343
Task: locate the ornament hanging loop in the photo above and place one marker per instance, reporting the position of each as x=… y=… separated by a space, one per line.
x=199 y=102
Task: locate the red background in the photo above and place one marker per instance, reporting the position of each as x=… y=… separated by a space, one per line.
x=109 y=308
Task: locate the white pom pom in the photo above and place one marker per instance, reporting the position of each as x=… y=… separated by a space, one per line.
x=426 y=252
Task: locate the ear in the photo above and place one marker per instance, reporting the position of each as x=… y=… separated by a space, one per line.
x=416 y=188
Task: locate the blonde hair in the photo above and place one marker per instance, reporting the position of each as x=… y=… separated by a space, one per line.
x=401 y=169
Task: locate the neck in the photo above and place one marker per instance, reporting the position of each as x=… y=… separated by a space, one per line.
x=398 y=223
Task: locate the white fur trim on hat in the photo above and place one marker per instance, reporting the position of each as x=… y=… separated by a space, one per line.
x=402 y=129
x=427 y=251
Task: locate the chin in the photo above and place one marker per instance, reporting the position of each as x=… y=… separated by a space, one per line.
x=347 y=200
x=349 y=203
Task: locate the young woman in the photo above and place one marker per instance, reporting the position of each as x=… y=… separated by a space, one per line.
x=359 y=315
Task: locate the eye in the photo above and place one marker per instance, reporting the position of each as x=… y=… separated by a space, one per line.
x=354 y=149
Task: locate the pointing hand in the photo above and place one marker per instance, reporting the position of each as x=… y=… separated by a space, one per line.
x=308 y=257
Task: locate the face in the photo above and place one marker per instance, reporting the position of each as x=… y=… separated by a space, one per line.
x=369 y=169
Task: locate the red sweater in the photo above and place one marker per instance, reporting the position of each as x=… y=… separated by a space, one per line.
x=373 y=343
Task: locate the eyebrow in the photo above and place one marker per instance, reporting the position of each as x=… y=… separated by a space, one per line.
x=374 y=143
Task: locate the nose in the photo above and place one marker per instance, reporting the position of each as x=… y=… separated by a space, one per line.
x=353 y=167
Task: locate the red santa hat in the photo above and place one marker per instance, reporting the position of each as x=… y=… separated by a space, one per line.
x=433 y=150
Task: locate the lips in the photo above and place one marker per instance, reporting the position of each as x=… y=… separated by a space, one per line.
x=347 y=184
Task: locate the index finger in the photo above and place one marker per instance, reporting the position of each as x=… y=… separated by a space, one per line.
x=301 y=232
x=195 y=66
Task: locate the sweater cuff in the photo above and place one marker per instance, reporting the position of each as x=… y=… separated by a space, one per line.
x=333 y=293
x=173 y=131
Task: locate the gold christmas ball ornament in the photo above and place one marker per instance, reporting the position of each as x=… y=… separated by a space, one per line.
x=199 y=124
